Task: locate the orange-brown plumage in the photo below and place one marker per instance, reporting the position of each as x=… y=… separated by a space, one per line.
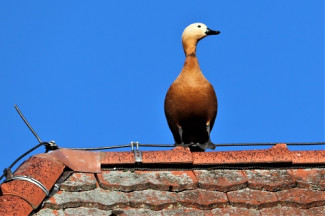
x=191 y=103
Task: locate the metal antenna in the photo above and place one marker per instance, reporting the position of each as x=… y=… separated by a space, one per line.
x=28 y=125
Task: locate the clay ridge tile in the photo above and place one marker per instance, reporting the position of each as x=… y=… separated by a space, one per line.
x=179 y=155
x=43 y=168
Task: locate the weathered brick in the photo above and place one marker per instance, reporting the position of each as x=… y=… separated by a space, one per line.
x=270 y=180
x=277 y=154
x=49 y=212
x=233 y=211
x=86 y=212
x=221 y=180
x=137 y=211
x=116 y=158
x=284 y=211
x=79 y=182
x=203 y=199
x=252 y=198
x=142 y=180
x=178 y=155
x=13 y=205
x=317 y=211
x=302 y=198
x=26 y=190
x=42 y=167
x=153 y=199
x=73 y=212
x=96 y=198
x=310 y=178
x=180 y=211
x=308 y=157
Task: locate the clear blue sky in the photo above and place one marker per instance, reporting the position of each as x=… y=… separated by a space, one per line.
x=95 y=73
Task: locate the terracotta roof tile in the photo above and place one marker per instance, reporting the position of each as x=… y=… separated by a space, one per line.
x=310 y=178
x=277 y=154
x=116 y=158
x=43 y=168
x=177 y=155
x=270 y=180
x=182 y=211
x=308 y=157
x=301 y=198
x=79 y=182
x=203 y=199
x=284 y=210
x=82 y=211
x=24 y=189
x=176 y=182
x=252 y=198
x=14 y=205
x=221 y=180
x=317 y=211
x=153 y=199
x=140 y=180
x=233 y=211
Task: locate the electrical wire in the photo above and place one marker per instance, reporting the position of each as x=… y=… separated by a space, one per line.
x=28 y=125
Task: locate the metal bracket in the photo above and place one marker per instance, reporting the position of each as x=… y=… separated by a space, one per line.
x=51 y=146
x=8 y=173
x=58 y=183
x=137 y=152
x=31 y=180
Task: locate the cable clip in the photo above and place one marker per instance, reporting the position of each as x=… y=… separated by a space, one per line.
x=51 y=146
x=8 y=173
x=136 y=151
x=31 y=180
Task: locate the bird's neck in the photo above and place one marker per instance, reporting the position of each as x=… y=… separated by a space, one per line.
x=191 y=65
x=189 y=46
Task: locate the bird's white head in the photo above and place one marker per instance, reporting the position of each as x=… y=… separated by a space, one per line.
x=193 y=33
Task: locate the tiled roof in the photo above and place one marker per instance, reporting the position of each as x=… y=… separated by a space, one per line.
x=275 y=181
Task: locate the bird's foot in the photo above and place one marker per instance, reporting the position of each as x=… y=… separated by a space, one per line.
x=197 y=146
x=208 y=145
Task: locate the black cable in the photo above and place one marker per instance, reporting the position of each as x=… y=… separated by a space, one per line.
x=268 y=144
x=23 y=155
x=120 y=146
x=217 y=145
x=100 y=148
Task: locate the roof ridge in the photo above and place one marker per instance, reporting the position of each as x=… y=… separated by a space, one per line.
x=47 y=168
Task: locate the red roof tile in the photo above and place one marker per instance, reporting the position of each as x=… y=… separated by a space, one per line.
x=277 y=154
x=140 y=180
x=14 y=205
x=270 y=180
x=303 y=198
x=252 y=198
x=274 y=181
x=310 y=178
x=221 y=180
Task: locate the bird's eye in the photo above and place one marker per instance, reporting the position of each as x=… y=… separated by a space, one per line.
x=199 y=26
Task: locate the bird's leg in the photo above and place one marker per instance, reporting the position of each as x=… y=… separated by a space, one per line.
x=208 y=129
x=209 y=144
x=180 y=131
